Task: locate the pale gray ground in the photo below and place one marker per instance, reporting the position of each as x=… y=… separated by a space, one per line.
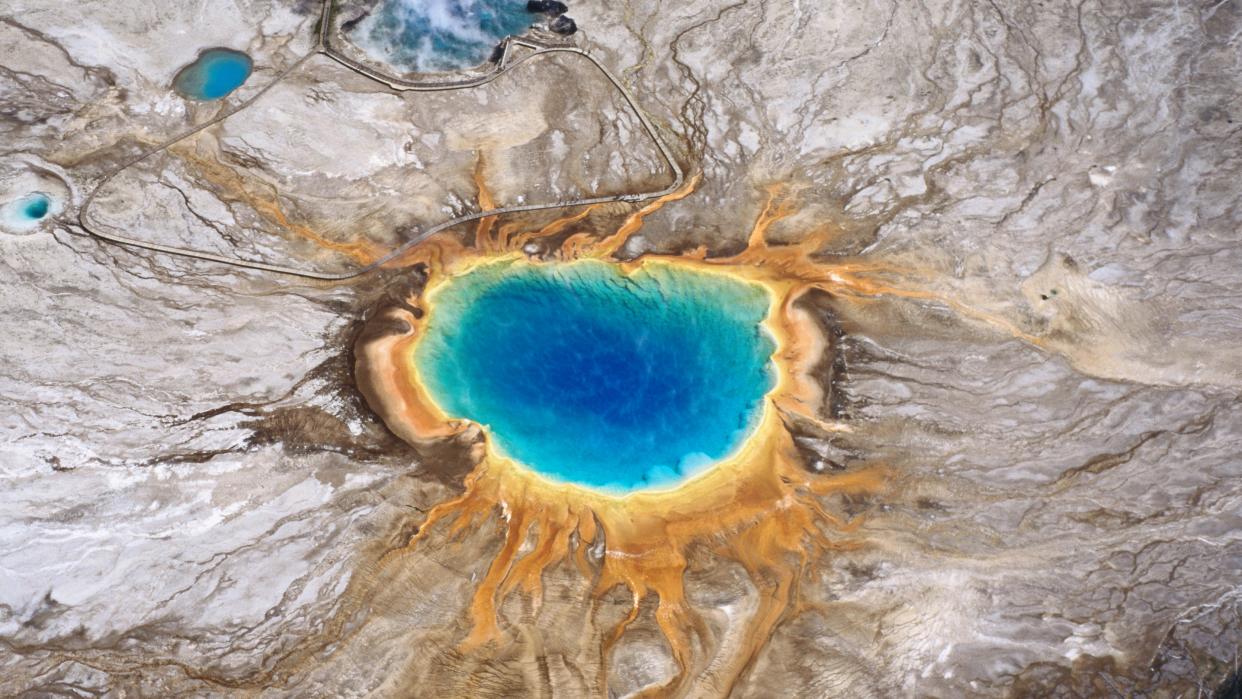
x=187 y=474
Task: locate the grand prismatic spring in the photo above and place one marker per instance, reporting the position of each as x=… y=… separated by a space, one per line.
x=485 y=348
x=598 y=378
x=753 y=500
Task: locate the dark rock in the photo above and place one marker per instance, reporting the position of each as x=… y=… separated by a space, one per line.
x=555 y=8
x=497 y=53
x=564 y=25
x=348 y=25
x=1231 y=689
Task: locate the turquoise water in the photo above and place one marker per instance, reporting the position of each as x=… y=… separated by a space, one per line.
x=595 y=378
x=27 y=212
x=215 y=74
x=35 y=206
x=440 y=35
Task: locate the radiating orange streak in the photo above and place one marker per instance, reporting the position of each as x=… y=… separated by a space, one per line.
x=482 y=232
x=437 y=253
x=483 y=607
x=362 y=251
x=779 y=205
x=233 y=185
x=552 y=228
x=611 y=243
x=559 y=225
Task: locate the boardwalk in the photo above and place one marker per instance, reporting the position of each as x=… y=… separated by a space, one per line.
x=323 y=46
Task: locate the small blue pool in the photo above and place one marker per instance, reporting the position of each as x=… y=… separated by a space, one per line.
x=28 y=211
x=213 y=75
x=591 y=376
x=35 y=206
x=440 y=35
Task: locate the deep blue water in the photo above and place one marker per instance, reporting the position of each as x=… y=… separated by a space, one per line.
x=592 y=377
x=215 y=74
x=35 y=206
x=440 y=35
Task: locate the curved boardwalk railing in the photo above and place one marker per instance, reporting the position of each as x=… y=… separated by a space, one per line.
x=504 y=65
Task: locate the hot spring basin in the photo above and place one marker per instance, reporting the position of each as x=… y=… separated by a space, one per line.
x=440 y=35
x=593 y=377
x=215 y=74
x=27 y=212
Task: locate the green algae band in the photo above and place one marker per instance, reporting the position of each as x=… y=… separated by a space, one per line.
x=214 y=75
x=591 y=376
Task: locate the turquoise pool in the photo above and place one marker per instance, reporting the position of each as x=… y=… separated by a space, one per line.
x=35 y=206
x=28 y=211
x=440 y=35
x=593 y=377
x=214 y=75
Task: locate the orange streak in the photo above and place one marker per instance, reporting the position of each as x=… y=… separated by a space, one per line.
x=777 y=207
x=482 y=232
x=610 y=244
x=234 y=185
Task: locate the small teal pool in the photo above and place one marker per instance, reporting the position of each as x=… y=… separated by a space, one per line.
x=440 y=35
x=28 y=211
x=213 y=75
x=35 y=206
x=589 y=376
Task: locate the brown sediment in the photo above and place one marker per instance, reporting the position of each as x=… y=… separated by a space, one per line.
x=759 y=507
